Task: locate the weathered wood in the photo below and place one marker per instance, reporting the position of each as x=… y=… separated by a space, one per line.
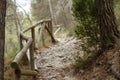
x=24 y=36
x=19 y=56
x=57 y=31
x=17 y=70
x=33 y=37
x=15 y=66
x=28 y=72
x=43 y=40
x=27 y=48
x=48 y=25
x=26 y=57
x=21 y=46
x=17 y=74
x=52 y=38
x=51 y=27
x=28 y=52
x=20 y=72
x=40 y=35
x=32 y=57
x=32 y=48
x=35 y=25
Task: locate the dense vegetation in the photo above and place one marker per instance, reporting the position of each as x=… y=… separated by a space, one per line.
x=87 y=28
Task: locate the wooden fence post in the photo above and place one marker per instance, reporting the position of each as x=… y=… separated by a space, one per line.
x=30 y=44
x=32 y=48
x=43 y=40
x=24 y=61
x=51 y=27
x=33 y=36
x=52 y=38
x=40 y=34
x=21 y=46
x=17 y=74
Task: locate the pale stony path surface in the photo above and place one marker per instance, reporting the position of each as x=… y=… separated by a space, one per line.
x=55 y=62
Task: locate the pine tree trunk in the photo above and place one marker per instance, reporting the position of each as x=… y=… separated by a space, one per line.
x=2 y=36
x=109 y=34
x=107 y=23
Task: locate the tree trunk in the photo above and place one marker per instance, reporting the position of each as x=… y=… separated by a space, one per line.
x=65 y=20
x=51 y=12
x=2 y=36
x=16 y=21
x=107 y=23
x=109 y=34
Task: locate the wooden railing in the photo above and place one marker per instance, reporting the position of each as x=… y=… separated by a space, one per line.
x=28 y=46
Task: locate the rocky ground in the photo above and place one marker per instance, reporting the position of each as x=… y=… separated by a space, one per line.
x=55 y=62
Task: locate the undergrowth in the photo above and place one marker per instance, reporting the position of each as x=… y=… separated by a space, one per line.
x=86 y=30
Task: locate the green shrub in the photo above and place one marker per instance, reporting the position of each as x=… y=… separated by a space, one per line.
x=86 y=29
x=117 y=11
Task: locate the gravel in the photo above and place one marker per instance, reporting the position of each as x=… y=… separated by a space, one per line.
x=55 y=62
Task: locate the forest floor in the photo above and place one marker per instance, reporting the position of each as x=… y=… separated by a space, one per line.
x=55 y=62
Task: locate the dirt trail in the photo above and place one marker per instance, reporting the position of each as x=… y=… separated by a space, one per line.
x=55 y=62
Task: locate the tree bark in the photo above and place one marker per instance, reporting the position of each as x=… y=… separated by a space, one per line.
x=2 y=36
x=109 y=34
x=107 y=23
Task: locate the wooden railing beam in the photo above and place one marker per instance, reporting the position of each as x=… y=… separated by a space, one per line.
x=24 y=36
x=19 y=56
x=52 y=38
x=35 y=25
x=28 y=72
x=29 y=44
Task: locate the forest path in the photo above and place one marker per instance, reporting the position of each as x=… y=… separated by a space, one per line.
x=55 y=62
